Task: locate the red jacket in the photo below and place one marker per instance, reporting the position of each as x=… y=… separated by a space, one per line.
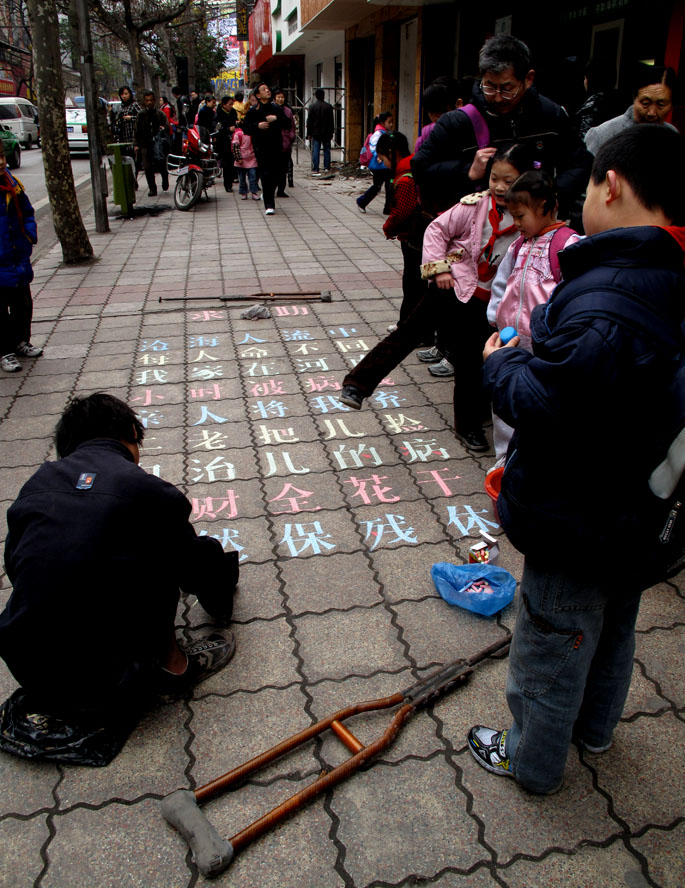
x=404 y=201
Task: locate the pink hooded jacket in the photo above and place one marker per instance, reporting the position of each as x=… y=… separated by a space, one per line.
x=247 y=154
x=454 y=240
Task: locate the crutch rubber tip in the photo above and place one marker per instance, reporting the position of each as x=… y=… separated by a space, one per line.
x=211 y=853
x=326 y=296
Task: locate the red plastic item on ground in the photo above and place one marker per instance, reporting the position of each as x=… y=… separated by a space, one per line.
x=493 y=483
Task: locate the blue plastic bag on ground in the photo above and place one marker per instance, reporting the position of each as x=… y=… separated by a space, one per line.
x=482 y=588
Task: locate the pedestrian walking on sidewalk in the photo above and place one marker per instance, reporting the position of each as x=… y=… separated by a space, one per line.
x=320 y=129
x=384 y=123
x=18 y=234
x=152 y=131
x=289 y=135
x=124 y=126
x=245 y=164
x=265 y=123
x=227 y=120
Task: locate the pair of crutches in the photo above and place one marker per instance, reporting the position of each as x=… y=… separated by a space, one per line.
x=212 y=854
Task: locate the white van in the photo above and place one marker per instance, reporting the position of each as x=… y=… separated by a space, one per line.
x=19 y=115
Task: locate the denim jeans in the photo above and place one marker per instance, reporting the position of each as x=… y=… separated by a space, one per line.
x=317 y=145
x=570 y=665
x=243 y=175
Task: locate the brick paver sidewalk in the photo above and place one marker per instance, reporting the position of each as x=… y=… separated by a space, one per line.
x=338 y=517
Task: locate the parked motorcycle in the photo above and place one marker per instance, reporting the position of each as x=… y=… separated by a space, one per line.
x=196 y=169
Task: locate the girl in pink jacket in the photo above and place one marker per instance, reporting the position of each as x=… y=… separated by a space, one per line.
x=530 y=270
x=245 y=163
x=462 y=250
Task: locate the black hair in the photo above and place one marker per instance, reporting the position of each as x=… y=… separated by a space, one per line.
x=149 y=92
x=276 y=91
x=518 y=154
x=176 y=91
x=239 y=96
x=382 y=117
x=258 y=85
x=130 y=91
x=644 y=155
x=504 y=51
x=164 y=98
x=319 y=94
x=533 y=187
x=601 y=74
x=225 y=99
x=436 y=99
x=96 y=416
x=647 y=75
x=395 y=146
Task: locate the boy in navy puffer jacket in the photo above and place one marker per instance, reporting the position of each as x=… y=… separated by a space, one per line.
x=592 y=412
x=18 y=234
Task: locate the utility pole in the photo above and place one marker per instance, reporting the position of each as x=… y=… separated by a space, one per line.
x=95 y=150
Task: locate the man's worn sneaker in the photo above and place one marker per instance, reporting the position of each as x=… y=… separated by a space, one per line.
x=26 y=350
x=488 y=747
x=352 y=397
x=474 y=440
x=443 y=368
x=205 y=657
x=595 y=750
x=269 y=212
x=429 y=355
x=10 y=364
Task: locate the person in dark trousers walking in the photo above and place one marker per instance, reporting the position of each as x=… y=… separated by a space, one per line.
x=289 y=136
x=264 y=123
x=227 y=120
x=320 y=128
x=149 y=124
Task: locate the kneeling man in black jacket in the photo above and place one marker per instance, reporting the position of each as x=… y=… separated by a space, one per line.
x=97 y=553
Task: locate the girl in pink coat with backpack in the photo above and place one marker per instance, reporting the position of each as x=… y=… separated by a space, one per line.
x=530 y=270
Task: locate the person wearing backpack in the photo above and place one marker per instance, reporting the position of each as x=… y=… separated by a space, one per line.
x=593 y=407
x=530 y=270
x=385 y=122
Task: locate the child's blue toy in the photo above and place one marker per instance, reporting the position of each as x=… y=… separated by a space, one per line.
x=507 y=334
x=481 y=588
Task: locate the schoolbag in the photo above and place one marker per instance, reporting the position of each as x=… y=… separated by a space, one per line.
x=480 y=127
x=366 y=153
x=556 y=245
x=662 y=520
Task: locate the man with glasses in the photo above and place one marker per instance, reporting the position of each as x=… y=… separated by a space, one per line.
x=453 y=160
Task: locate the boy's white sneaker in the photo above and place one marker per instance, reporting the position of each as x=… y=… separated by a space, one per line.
x=26 y=350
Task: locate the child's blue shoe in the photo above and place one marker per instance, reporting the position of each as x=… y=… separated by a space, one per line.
x=488 y=747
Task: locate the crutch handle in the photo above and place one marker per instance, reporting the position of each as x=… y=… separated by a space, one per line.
x=211 y=853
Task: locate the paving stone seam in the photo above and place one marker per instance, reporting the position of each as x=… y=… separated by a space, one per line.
x=651 y=630
x=412 y=879
x=671 y=707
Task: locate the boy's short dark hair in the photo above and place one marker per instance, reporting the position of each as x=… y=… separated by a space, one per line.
x=96 y=416
x=648 y=156
x=504 y=51
x=533 y=187
x=149 y=92
x=319 y=94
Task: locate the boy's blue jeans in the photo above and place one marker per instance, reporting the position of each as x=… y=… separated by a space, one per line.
x=570 y=665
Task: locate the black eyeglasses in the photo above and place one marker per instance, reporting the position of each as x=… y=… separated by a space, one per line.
x=507 y=94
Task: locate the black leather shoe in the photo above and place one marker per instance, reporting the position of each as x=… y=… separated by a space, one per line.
x=282 y=194
x=473 y=440
x=152 y=192
x=351 y=397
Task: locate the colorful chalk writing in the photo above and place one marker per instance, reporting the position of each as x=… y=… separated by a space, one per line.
x=300 y=538
x=254 y=351
x=421 y=450
x=435 y=476
x=207 y=372
x=207 y=416
x=228 y=536
x=318 y=365
x=147 y=359
x=211 y=506
x=341 y=430
x=342 y=331
x=248 y=337
x=295 y=335
x=276 y=436
x=387 y=399
x=199 y=341
x=217 y=469
x=271 y=461
x=377 y=491
x=472 y=524
x=306 y=348
x=321 y=383
x=392 y=527
x=212 y=393
x=267 y=387
x=208 y=440
x=283 y=311
x=257 y=369
x=153 y=345
x=148 y=398
x=402 y=423
x=328 y=403
x=356 y=457
x=145 y=377
x=149 y=418
x=297 y=499
x=208 y=316
x=270 y=408
x=353 y=345
x=203 y=356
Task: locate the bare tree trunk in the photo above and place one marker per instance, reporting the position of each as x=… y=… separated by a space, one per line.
x=137 y=64
x=59 y=178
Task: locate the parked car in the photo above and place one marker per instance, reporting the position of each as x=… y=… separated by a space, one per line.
x=19 y=115
x=77 y=129
x=12 y=147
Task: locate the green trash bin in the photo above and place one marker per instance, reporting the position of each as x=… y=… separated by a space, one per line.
x=123 y=176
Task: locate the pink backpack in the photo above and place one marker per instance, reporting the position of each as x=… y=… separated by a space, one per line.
x=366 y=153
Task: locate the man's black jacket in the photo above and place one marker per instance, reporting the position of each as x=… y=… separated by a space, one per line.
x=442 y=163
x=320 y=122
x=96 y=575
x=267 y=143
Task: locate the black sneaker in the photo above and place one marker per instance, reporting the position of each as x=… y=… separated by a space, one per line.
x=205 y=657
x=473 y=440
x=352 y=397
x=488 y=747
x=152 y=192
